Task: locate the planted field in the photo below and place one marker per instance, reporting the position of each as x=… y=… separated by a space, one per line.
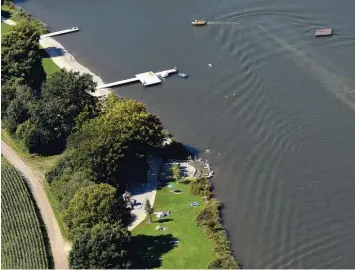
x=22 y=240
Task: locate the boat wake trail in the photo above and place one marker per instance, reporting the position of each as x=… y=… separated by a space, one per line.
x=221 y=23
x=343 y=88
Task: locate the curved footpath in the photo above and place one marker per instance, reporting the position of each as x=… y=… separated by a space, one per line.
x=59 y=247
x=145 y=191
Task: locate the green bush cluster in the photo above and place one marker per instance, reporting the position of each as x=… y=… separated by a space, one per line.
x=209 y=219
x=175 y=172
x=201 y=187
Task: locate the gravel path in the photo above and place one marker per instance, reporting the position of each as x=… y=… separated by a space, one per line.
x=59 y=247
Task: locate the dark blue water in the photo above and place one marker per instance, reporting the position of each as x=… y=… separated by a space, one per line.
x=277 y=110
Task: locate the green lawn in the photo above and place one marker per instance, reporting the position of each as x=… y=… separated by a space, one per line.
x=5 y=28
x=194 y=249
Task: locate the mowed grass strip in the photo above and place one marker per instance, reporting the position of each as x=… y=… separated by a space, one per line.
x=194 y=249
x=22 y=242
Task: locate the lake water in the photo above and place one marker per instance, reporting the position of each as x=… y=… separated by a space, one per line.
x=277 y=109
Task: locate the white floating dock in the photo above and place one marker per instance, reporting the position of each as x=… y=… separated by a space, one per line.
x=66 y=31
x=146 y=78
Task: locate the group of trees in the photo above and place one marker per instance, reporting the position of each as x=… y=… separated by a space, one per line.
x=104 y=143
x=38 y=111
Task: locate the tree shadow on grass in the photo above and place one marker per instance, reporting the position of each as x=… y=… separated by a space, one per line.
x=148 y=250
x=164 y=220
x=185 y=181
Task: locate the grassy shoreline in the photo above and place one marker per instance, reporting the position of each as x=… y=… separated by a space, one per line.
x=205 y=236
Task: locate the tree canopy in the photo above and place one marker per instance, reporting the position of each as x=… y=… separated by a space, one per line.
x=64 y=96
x=93 y=204
x=123 y=134
x=21 y=54
x=105 y=246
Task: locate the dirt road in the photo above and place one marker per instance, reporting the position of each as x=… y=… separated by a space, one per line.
x=59 y=247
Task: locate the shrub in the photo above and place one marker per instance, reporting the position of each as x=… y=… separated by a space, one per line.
x=175 y=172
x=210 y=220
x=227 y=262
x=201 y=187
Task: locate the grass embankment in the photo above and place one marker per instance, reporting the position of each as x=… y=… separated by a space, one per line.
x=24 y=242
x=194 y=249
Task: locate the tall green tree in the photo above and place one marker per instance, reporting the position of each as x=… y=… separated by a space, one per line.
x=149 y=210
x=21 y=55
x=119 y=139
x=64 y=96
x=19 y=107
x=93 y=204
x=105 y=246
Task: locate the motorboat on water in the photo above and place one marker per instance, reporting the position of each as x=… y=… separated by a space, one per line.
x=199 y=22
x=182 y=75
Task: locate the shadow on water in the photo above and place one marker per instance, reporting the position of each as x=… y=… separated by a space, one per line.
x=5 y=14
x=178 y=151
x=52 y=52
x=148 y=250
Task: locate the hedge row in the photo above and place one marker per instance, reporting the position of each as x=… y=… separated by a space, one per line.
x=209 y=219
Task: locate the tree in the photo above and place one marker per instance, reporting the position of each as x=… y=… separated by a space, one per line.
x=93 y=204
x=105 y=246
x=176 y=172
x=21 y=55
x=118 y=140
x=18 y=109
x=65 y=95
x=149 y=210
x=71 y=181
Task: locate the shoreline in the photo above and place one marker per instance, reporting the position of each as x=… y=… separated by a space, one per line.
x=65 y=60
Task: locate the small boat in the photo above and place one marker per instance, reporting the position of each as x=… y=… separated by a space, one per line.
x=199 y=22
x=182 y=75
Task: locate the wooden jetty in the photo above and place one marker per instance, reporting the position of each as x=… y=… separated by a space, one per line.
x=62 y=32
x=324 y=32
x=146 y=78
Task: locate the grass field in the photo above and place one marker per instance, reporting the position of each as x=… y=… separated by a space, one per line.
x=194 y=249
x=23 y=237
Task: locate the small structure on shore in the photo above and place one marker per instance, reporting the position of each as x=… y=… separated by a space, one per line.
x=324 y=32
x=62 y=32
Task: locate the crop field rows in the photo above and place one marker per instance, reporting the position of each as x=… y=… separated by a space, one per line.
x=22 y=244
